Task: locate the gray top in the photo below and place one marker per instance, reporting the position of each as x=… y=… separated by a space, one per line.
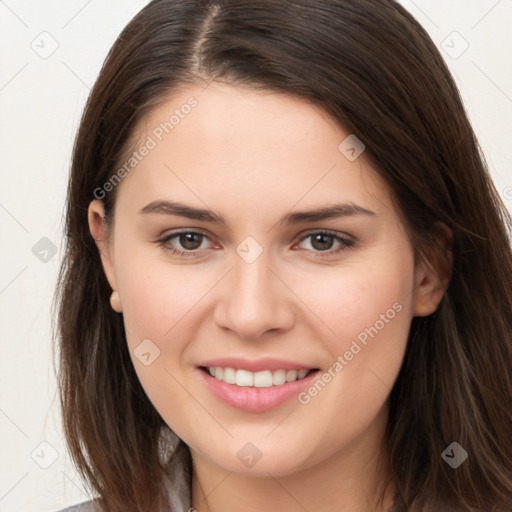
x=178 y=478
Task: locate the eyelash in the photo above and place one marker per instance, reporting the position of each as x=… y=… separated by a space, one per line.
x=346 y=243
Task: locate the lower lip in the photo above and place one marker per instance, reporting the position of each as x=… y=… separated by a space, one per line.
x=254 y=399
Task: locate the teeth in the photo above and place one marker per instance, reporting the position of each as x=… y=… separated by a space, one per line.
x=302 y=373
x=278 y=377
x=229 y=376
x=263 y=379
x=291 y=375
x=242 y=377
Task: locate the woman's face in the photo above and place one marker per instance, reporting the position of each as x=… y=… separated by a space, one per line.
x=295 y=262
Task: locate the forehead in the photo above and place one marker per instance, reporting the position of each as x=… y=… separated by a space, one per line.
x=247 y=148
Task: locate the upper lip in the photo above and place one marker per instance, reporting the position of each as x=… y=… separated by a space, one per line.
x=255 y=365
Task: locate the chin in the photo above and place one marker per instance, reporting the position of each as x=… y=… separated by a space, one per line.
x=249 y=460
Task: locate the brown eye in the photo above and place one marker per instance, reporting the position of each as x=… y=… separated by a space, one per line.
x=190 y=241
x=322 y=241
x=184 y=243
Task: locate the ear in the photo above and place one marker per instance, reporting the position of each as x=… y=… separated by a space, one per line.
x=433 y=272
x=98 y=229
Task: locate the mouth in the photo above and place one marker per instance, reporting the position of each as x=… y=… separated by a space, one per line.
x=257 y=391
x=261 y=379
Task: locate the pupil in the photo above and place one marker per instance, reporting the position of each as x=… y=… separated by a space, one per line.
x=322 y=242
x=187 y=240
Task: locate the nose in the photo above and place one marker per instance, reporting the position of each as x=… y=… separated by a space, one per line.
x=253 y=301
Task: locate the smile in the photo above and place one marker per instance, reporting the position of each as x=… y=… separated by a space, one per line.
x=255 y=391
x=261 y=379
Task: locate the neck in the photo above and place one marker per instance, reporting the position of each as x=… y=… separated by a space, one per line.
x=350 y=480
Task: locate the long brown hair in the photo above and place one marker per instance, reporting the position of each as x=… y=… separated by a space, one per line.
x=375 y=70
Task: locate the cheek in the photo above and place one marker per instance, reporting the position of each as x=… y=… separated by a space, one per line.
x=352 y=299
x=157 y=296
x=160 y=300
x=369 y=308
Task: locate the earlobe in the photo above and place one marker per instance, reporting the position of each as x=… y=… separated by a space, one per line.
x=433 y=272
x=115 y=302
x=97 y=227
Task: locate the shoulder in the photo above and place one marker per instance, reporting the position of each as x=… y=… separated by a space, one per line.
x=178 y=480
x=86 y=506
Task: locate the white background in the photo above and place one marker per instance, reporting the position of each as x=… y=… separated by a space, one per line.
x=41 y=100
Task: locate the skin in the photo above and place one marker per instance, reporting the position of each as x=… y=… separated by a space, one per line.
x=252 y=157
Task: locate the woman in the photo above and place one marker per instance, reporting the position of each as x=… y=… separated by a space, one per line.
x=287 y=275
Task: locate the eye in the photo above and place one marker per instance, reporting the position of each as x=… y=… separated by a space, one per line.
x=322 y=242
x=190 y=241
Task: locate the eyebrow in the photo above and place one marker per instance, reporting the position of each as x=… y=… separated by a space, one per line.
x=333 y=211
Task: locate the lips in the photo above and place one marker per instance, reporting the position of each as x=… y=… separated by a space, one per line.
x=257 y=385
